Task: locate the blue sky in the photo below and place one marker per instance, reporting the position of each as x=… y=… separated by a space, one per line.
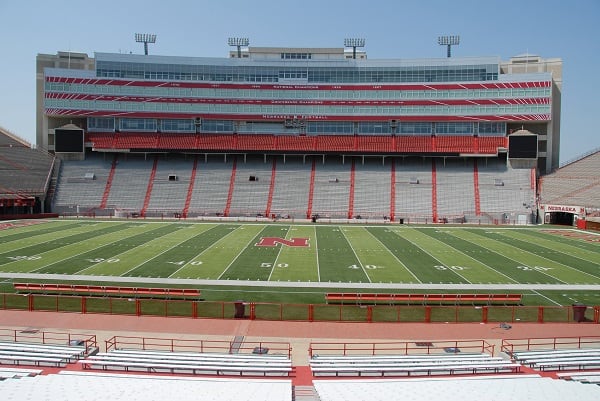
x=569 y=30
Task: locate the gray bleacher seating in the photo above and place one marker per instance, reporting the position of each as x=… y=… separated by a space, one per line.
x=192 y=363
x=410 y=365
x=19 y=353
x=372 y=197
x=560 y=359
x=492 y=387
x=251 y=188
x=77 y=385
x=292 y=185
x=331 y=188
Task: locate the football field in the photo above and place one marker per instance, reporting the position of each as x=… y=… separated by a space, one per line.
x=302 y=252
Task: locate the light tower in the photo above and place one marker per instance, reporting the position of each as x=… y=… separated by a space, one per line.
x=145 y=38
x=449 y=41
x=354 y=43
x=238 y=42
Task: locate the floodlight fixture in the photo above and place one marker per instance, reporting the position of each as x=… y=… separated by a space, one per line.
x=238 y=42
x=145 y=38
x=449 y=41
x=354 y=43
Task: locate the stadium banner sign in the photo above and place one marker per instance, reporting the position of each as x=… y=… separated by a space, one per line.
x=563 y=208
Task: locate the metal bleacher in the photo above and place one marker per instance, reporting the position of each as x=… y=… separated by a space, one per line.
x=33 y=354
x=455 y=188
x=559 y=359
x=82 y=182
x=502 y=188
x=410 y=365
x=130 y=183
x=77 y=385
x=23 y=170
x=343 y=187
x=576 y=183
x=190 y=362
x=331 y=188
x=171 y=183
x=211 y=187
x=484 y=387
x=413 y=189
x=251 y=187
x=292 y=186
x=372 y=188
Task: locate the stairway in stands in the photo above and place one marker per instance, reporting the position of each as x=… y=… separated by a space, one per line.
x=188 y=198
x=434 y=191
x=109 y=181
x=149 y=189
x=271 y=189
x=351 y=194
x=476 y=185
x=231 y=187
x=311 y=191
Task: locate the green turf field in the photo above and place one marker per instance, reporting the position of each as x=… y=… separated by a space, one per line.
x=306 y=253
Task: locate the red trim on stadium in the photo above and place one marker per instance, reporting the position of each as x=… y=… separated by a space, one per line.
x=185 y=84
x=309 y=117
x=300 y=102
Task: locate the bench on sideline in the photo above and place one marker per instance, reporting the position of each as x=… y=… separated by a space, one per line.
x=374 y=298
x=106 y=290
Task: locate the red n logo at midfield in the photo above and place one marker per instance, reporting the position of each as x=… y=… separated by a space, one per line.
x=273 y=241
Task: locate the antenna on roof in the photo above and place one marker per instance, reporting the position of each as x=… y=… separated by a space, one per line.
x=354 y=43
x=449 y=41
x=145 y=38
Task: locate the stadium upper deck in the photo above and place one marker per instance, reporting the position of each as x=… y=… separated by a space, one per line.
x=296 y=93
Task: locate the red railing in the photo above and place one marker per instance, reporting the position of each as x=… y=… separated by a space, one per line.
x=300 y=312
x=180 y=345
x=47 y=337
x=531 y=344
x=399 y=347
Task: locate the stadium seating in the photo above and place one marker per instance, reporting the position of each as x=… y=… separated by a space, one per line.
x=170 y=185
x=77 y=385
x=372 y=189
x=331 y=188
x=292 y=186
x=576 y=183
x=211 y=187
x=455 y=188
x=502 y=387
x=503 y=193
x=559 y=359
x=20 y=353
x=410 y=365
x=251 y=188
x=190 y=362
x=24 y=171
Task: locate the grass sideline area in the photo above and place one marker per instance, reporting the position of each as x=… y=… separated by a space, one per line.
x=230 y=255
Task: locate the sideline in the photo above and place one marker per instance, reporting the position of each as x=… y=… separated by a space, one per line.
x=300 y=284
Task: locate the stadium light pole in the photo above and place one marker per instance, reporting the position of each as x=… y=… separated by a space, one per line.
x=145 y=38
x=238 y=42
x=449 y=41
x=354 y=43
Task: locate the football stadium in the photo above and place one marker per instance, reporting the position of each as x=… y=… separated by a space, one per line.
x=298 y=224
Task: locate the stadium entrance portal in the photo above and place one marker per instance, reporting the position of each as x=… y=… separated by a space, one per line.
x=560 y=218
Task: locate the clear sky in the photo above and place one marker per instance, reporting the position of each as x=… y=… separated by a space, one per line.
x=564 y=29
